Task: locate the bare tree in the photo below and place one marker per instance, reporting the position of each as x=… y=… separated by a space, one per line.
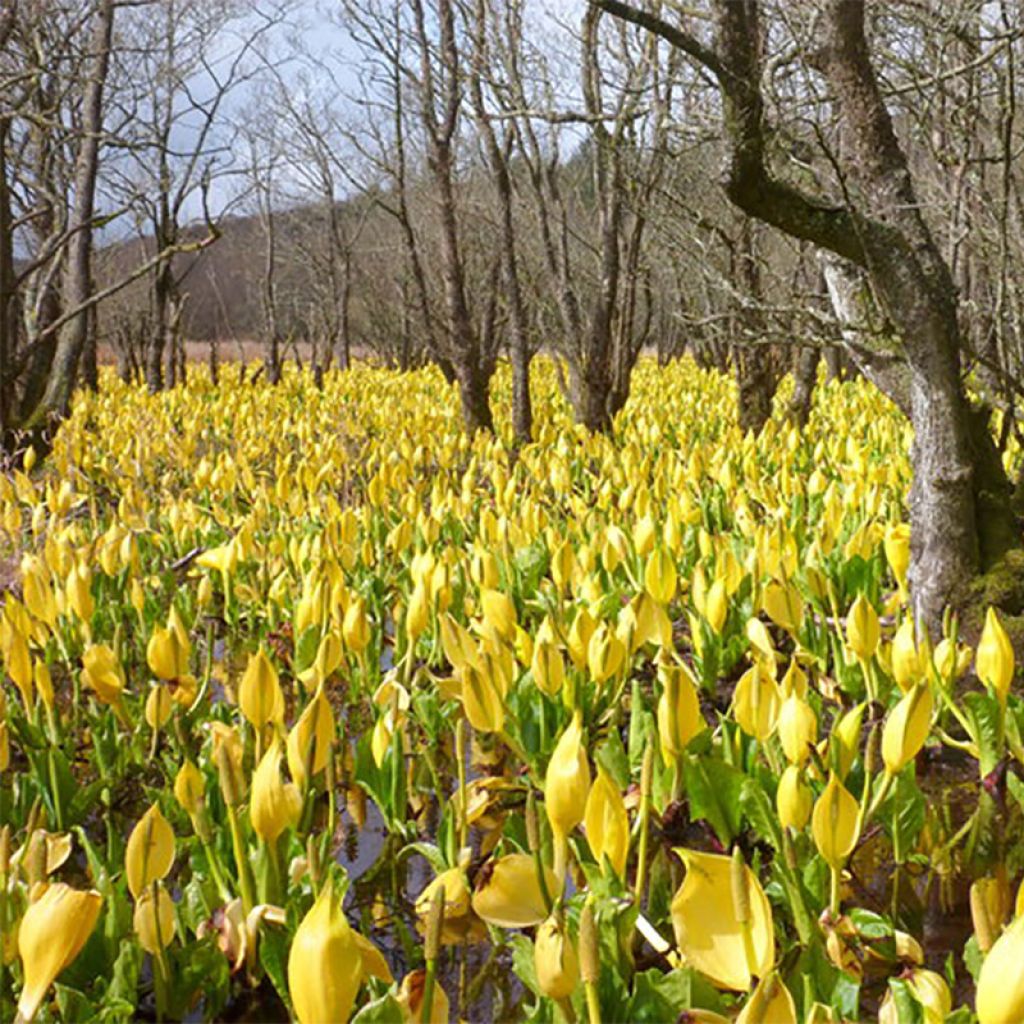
x=958 y=526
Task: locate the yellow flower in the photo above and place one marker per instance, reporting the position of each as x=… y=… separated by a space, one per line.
x=907 y=666
x=102 y=673
x=716 y=605
x=52 y=933
x=222 y=559
x=456 y=895
x=707 y=931
x=756 y=703
x=410 y=999
x=798 y=729
x=1000 y=994
x=770 y=1003
x=355 y=627
x=547 y=667
x=166 y=654
x=660 y=576
x=481 y=700
x=862 y=631
x=417 y=615
x=605 y=654
x=834 y=822
x=325 y=967
x=567 y=782
x=499 y=612
x=994 y=659
x=607 y=823
x=508 y=892
x=153 y=920
x=190 y=788
x=783 y=605
x=158 y=706
x=311 y=737
x=275 y=805
x=150 y=851
x=259 y=693
x=897 y=553
x=845 y=741
x=907 y=728
x=555 y=959
x=679 y=717
x=793 y=799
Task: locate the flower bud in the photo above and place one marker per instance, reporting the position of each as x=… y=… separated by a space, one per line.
x=154 y=919
x=355 y=627
x=102 y=673
x=793 y=800
x=770 y=1003
x=679 y=716
x=325 y=967
x=798 y=729
x=52 y=933
x=607 y=823
x=716 y=606
x=834 y=822
x=660 y=577
x=907 y=728
x=994 y=659
x=567 y=781
x=275 y=805
x=1000 y=993
x=259 y=693
x=756 y=703
x=845 y=741
x=150 y=851
x=548 y=668
x=555 y=960
x=862 y=631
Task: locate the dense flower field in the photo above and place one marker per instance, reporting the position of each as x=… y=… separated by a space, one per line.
x=316 y=707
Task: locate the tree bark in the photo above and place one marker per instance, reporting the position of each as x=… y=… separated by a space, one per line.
x=78 y=273
x=440 y=111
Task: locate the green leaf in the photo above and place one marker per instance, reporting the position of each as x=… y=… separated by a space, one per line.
x=430 y=853
x=871 y=926
x=384 y=1010
x=907 y=810
x=908 y=1009
x=983 y=711
x=522 y=963
x=306 y=648
x=973 y=957
x=714 y=788
x=611 y=755
x=201 y=976
x=760 y=812
x=660 y=997
x=273 y=949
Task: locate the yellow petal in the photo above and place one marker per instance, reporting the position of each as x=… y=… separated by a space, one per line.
x=150 y=851
x=52 y=933
x=704 y=919
x=508 y=892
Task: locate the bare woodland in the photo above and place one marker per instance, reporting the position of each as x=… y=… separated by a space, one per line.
x=765 y=186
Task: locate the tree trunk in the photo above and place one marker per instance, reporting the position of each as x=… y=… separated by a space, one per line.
x=755 y=384
x=78 y=272
x=805 y=376
x=8 y=313
x=163 y=286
